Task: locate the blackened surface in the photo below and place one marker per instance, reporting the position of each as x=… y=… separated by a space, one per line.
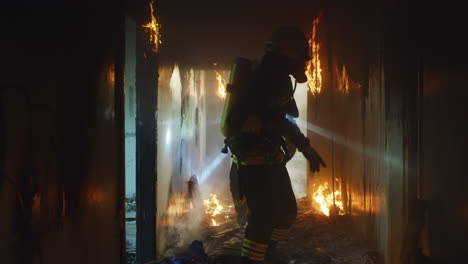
x=119 y=102
x=146 y=115
x=202 y=32
x=65 y=58
x=374 y=150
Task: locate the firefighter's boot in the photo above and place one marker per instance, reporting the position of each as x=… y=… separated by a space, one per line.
x=253 y=252
x=273 y=255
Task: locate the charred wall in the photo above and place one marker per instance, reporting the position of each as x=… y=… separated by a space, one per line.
x=62 y=132
x=384 y=137
x=443 y=95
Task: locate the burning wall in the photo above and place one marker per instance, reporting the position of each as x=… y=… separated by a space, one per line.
x=354 y=122
x=345 y=121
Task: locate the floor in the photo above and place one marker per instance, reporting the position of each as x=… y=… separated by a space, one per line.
x=314 y=239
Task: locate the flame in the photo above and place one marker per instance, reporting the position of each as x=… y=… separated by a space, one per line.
x=213 y=208
x=343 y=81
x=323 y=197
x=111 y=73
x=314 y=69
x=345 y=84
x=221 y=91
x=154 y=28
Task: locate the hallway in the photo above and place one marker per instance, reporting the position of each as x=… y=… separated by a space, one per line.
x=110 y=142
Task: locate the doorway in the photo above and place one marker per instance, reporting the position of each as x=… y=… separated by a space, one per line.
x=130 y=140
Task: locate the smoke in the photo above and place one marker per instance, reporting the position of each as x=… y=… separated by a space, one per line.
x=189 y=147
x=214 y=122
x=207 y=171
x=181 y=223
x=297 y=166
x=176 y=86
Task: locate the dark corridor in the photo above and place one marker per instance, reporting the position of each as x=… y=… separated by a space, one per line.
x=389 y=119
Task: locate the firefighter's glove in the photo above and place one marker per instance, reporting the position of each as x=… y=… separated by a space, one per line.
x=252 y=125
x=315 y=161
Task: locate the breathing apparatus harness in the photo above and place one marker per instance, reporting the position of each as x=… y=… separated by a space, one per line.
x=265 y=151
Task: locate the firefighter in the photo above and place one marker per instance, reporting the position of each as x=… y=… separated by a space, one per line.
x=289 y=148
x=258 y=145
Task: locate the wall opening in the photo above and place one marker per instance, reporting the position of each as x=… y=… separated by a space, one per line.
x=130 y=140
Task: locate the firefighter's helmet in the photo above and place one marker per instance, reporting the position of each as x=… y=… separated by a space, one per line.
x=290 y=41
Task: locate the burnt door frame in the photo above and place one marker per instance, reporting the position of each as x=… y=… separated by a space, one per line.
x=146 y=149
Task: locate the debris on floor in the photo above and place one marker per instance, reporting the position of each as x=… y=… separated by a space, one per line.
x=313 y=239
x=195 y=254
x=130 y=228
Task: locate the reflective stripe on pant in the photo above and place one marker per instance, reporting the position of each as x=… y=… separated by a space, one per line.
x=279 y=234
x=270 y=198
x=253 y=250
